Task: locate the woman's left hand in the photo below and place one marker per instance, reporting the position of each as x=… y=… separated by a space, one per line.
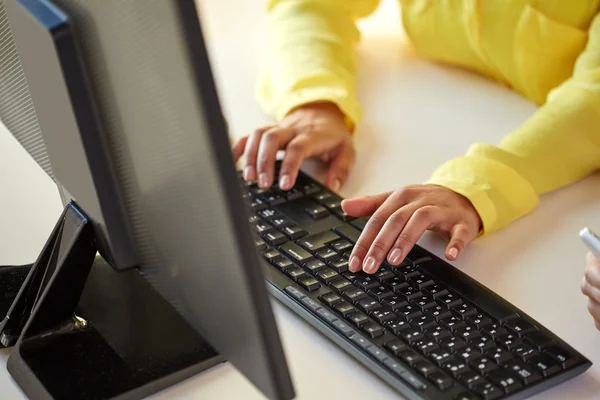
x=590 y=286
x=399 y=218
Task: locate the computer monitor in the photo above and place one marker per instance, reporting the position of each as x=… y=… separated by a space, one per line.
x=133 y=133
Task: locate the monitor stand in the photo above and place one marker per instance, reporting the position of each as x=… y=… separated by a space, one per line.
x=81 y=330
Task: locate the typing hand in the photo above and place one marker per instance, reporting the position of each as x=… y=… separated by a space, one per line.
x=314 y=130
x=590 y=286
x=399 y=219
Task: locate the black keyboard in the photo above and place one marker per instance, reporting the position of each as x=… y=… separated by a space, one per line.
x=424 y=327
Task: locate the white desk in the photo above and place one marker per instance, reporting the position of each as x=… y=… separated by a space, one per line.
x=416 y=116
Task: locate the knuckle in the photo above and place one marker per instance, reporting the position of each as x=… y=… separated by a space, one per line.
x=378 y=247
x=405 y=239
x=360 y=248
x=398 y=218
x=375 y=222
x=270 y=137
x=296 y=146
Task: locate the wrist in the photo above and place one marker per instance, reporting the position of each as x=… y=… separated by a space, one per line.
x=328 y=107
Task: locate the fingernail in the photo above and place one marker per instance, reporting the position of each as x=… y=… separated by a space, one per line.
x=249 y=173
x=395 y=257
x=285 y=182
x=354 y=265
x=369 y=264
x=263 y=180
x=453 y=252
x=335 y=186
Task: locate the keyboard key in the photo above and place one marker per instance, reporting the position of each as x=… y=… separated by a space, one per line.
x=310 y=188
x=483 y=344
x=409 y=312
x=439 y=313
x=327 y=275
x=326 y=255
x=339 y=285
x=341 y=245
x=259 y=243
x=410 y=356
x=425 y=302
x=326 y=314
x=280 y=222
x=321 y=197
x=421 y=281
x=453 y=344
x=294 y=232
x=359 y=223
x=294 y=272
x=425 y=368
x=253 y=218
x=545 y=365
x=488 y=391
x=526 y=374
x=341 y=214
x=525 y=351
x=349 y=232
x=366 y=282
x=395 y=284
x=274 y=199
x=382 y=316
x=316 y=242
x=383 y=275
x=257 y=204
x=426 y=346
x=453 y=323
x=311 y=304
x=295 y=252
x=368 y=305
x=450 y=300
x=379 y=354
x=468 y=334
x=344 y=308
x=274 y=238
x=395 y=346
x=262 y=227
x=442 y=381
x=314 y=266
x=309 y=283
x=283 y=263
x=409 y=292
x=499 y=355
x=441 y=357
x=397 y=326
x=436 y=290
x=494 y=331
x=456 y=367
x=381 y=293
x=293 y=194
x=464 y=311
x=538 y=340
x=394 y=302
x=357 y=319
x=479 y=320
x=564 y=359
x=295 y=293
x=339 y=265
x=354 y=295
x=483 y=365
x=330 y=299
x=412 y=336
x=468 y=354
x=317 y=211
x=332 y=203
x=466 y=396
x=423 y=322
x=519 y=326
x=406 y=272
x=413 y=380
x=437 y=333
x=351 y=276
x=268 y=213
x=471 y=379
x=373 y=330
x=361 y=341
x=505 y=379
x=509 y=341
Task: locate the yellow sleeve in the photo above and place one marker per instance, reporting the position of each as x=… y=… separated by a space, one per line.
x=558 y=145
x=309 y=55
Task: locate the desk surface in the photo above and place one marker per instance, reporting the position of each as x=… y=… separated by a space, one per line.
x=417 y=115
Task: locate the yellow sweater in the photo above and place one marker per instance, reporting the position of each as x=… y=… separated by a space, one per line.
x=547 y=50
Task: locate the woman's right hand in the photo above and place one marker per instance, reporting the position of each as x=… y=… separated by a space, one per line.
x=312 y=130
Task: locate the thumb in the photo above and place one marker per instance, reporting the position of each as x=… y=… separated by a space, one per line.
x=339 y=168
x=460 y=237
x=364 y=206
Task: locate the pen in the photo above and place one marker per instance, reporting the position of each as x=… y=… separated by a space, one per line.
x=591 y=240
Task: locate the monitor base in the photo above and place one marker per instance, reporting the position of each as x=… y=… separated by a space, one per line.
x=82 y=330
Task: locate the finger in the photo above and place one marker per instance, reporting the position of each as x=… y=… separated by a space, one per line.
x=592 y=274
x=594 y=309
x=422 y=219
x=295 y=152
x=270 y=142
x=250 y=152
x=460 y=237
x=590 y=291
x=339 y=168
x=372 y=228
x=387 y=235
x=238 y=148
x=363 y=206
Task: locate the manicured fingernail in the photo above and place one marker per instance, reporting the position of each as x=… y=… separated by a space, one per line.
x=249 y=173
x=354 y=265
x=263 y=180
x=335 y=186
x=285 y=183
x=369 y=265
x=395 y=257
x=453 y=252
